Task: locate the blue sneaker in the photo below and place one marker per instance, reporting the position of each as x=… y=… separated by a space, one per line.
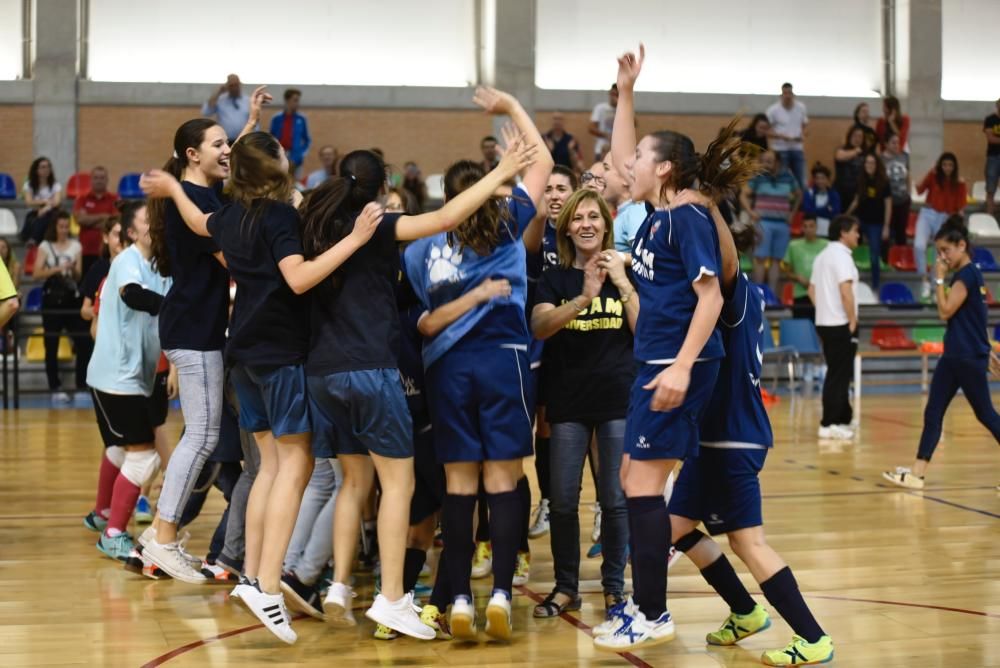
x=636 y=632
x=118 y=547
x=143 y=511
x=95 y=522
x=594 y=551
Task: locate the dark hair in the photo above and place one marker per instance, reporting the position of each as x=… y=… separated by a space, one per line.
x=841 y=223
x=488 y=138
x=892 y=102
x=879 y=181
x=750 y=129
x=939 y=172
x=128 y=210
x=850 y=131
x=820 y=168
x=954 y=231
x=563 y=170
x=411 y=207
x=565 y=246
x=481 y=230
x=57 y=215
x=745 y=236
x=614 y=87
x=785 y=85
x=9 y=255
x=33 y=174
x=329 y=211
x=718 y=173
x=255 y=176
x=189 y=135
x=857 y=110
x=289 y=92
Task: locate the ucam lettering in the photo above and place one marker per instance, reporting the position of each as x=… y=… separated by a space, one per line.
x=595 y=324
x=642 y=261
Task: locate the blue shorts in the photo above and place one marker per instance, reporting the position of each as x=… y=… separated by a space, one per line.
x=272 y=399
x=774 y=238
x=720 y=488
x=481 y=404
x=360 y=412
x=672 y=434
x=428 y=492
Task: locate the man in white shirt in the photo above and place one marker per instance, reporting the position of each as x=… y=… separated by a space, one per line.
x=602 y=120
x=788 y=118
x=833 y=289
x=231 y=107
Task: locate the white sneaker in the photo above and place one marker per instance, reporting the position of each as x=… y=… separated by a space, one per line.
x=637 y=632
x=241 y=587
x=498 y=621
x=148 y=535
x=463 y=619
x=522 y=569
x=170 y=559
x=182 y=545
x=835 y=432
x=595 y=535
x=847 y=429
x=269 y=609
x=337 y=605
x=540 y=526
x=615 y=617
x=62 y=398
x=903 y=477
x=399 y=616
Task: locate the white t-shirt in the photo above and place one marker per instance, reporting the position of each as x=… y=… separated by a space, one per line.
x=787 y=122
x=604 y=116
x=44 y=191
x=833 y=266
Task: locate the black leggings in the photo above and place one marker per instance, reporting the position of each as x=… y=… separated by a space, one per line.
x=953 y=373
x=77 y=327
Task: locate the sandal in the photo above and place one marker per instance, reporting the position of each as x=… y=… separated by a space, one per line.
x=549 y=607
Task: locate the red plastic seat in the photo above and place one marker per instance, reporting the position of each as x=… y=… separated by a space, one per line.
x=78 y=185
x=788 y=294
x=990 y=299
x=796 y=224
x=890 y=336
x=29 y=259
x=901 y=258
x=911 y=225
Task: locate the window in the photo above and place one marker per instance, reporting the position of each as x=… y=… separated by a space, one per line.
x=970 y=51
x=11 y=40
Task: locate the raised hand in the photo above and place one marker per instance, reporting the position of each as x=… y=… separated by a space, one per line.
x=629 y=67
x=517 y=156
x=593 y=277
x=366 y=223
x=491 y=288
x=259 y=98
x=494 y=101
x=158 y=184
x=508 y=135
x=611 y=262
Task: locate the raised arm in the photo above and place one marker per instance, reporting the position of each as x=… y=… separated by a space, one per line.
x=534 y=233
x=623 y=140
x=948 y=301
x=259 y=98
x=433 y=322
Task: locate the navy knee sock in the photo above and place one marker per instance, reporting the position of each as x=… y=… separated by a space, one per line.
x=441 y=594
x=456 y=523
x=782 y=591
x=650 y=524
x=483 y=514
x=506 y=520
x=723 y=579
x=524 y=492
x=412 y=565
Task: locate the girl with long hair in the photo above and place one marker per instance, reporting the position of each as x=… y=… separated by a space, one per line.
x=946 y=196
x=872 y=205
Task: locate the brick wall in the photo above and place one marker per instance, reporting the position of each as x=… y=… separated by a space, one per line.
x=15 y=140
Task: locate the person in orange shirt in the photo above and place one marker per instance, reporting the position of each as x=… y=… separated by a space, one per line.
x=946 y=196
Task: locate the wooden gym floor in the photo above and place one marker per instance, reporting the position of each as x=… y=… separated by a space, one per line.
x=898 y=578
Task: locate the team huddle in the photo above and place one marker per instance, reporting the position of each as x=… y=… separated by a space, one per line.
x=427 y=353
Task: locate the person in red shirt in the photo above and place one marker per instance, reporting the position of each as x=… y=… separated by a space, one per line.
x=91 y=212
x=893 y=122
x=946 y=196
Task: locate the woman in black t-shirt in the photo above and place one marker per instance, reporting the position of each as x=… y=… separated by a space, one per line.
x=586 y=309
x=873 y=206
x=847 y=163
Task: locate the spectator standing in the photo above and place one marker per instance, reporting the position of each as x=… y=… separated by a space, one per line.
x=893 y=121
x=820 y=201
x=413 y=182
x=772 y=198
x=230 y=106
x=848 y=160
x=562 y=145
x=43 y=194
x=897 y=169
x=788 y=119
x=292 y=131
x=862 y=120
x=872 y=205
x=491 y=157
x=991 y=128
x=602 y=119
x=328 y=157
x=92 y=211
x=799 y=260
x=833 y=289
x=946 y=196
x=756 y=133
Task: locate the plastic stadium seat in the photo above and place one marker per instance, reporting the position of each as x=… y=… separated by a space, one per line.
x=979 y=191
x=770 y=299
x=30 y=256
x=990 y=299
x=35 y=350
x=896 y=294
x=78 y=185
x=890 y=336
x=801 y=335
x=746 y=263
x=788 y=294
x=901 y=258
x=928 y=334
x=128 y=187
x=8 y=187
x=8 y=223
x=34 y=300
x=435 y=187
x=915 y=197
x=796 y=224
x=863 y=258
x=911 y=224
x=983 y=225
x=984 y=259
x=866 y=296
x=776 y=353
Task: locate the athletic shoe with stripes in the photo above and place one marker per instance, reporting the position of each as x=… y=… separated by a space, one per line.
x=540 y=526
x=302 y=597
x=95 y=522
x=738 y=627
x=800 y=653
x=636 y=632
x=337 y=605
x=615 y=616
x=270 y=610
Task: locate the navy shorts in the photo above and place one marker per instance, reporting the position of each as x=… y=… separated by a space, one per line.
x=482 y=403
x=428 y=493
x=720 y=487
x=272 y=399
x=672 y=434
x=360 y=412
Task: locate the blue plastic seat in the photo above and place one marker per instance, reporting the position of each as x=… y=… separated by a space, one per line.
x=770 y=299
x=128 y=186
x=984 y=259
x=896 y=294
x=33 y=302
x=8 y=188
x=800 y=334
x=778 y=354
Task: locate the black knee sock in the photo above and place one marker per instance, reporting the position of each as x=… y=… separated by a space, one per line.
x=650 y=523
x=412 y=564
x=524 y=492
x=542 y=465
x=441 y=594
x=483 y=513
x=631 y=554
x=456 y=523
x=782 y=591
x=723 y=579
x=505 y=533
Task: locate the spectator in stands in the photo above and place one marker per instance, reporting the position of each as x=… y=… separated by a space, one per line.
x=328 y=157
x=413 y=182
x=897 y=168
x=43 y=194
x=602 y=119
x=872 y=205
x=491 y=157
x=772 y=198
x=946 y=196
x=798 y=262
x=8 y=296
x=893 y=121
x=562 y=145
x=231 y=107
x=9 y=260
x=991 y=128
x=833 y=290
x=788 y=119
x=756 y=133
x=60 y=265
x=92 y=279
x=292 y=131
x=821 y=202
x=92 y=211
x=848 y=161
x=401 y=200
x=862 y=120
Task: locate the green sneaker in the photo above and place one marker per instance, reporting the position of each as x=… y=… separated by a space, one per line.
x=738 y=627
x=118 y=547
x=800 y=653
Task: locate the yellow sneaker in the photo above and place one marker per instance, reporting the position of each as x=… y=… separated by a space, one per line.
x=482 y=561
x=383 y=632
x=522 y=569
x=800 y=653
x=738 y=627
x=437 y=620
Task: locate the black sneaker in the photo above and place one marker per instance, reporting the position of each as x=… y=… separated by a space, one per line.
x=136 y=564
x=230 y=565
x=302 y=597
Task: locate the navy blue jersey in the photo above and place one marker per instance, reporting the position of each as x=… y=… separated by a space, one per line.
x=411 y=366
x=672 y=250
x=966 y=334
x=735 y=417
x=550 y=250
